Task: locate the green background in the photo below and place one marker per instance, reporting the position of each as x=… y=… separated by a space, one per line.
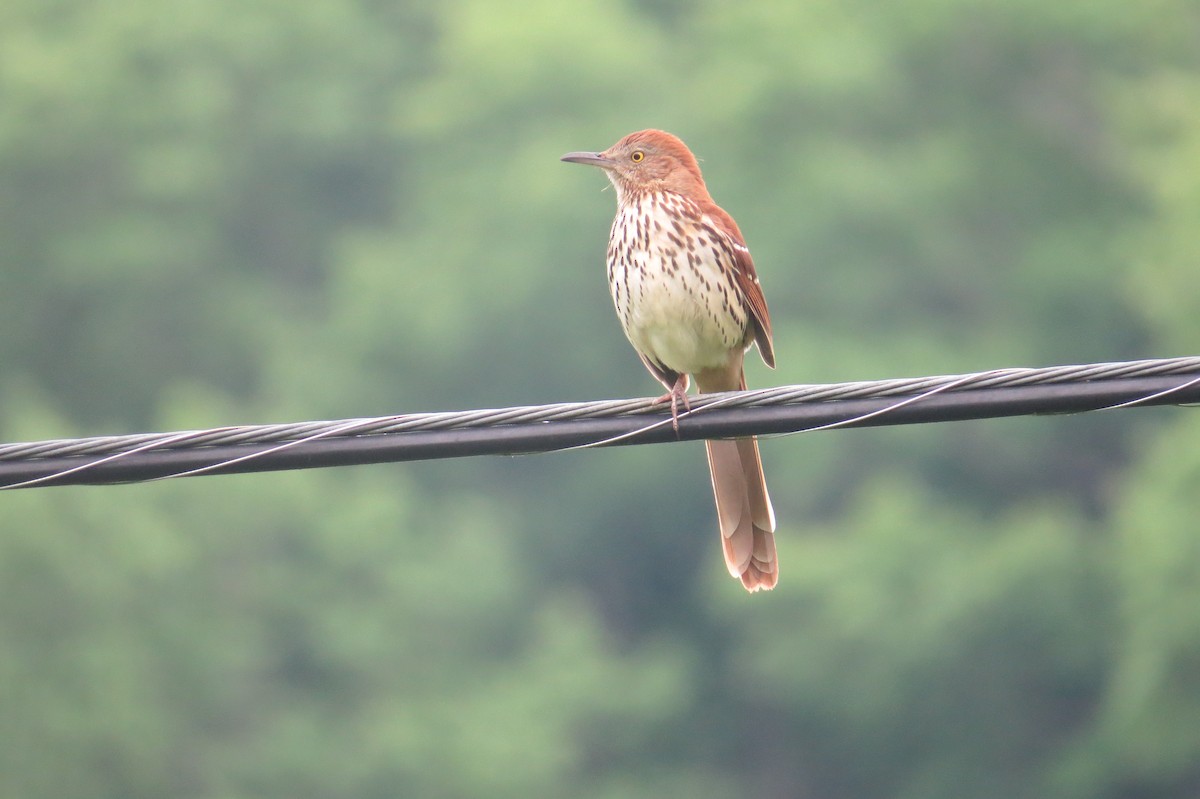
x=217 y=212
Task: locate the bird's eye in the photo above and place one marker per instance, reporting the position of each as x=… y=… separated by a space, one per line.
x=637 y=157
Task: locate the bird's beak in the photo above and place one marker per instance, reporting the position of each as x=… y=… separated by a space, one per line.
x=594 y=159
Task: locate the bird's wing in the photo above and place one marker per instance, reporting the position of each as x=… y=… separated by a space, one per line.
x=746 y=279
x=752 y=294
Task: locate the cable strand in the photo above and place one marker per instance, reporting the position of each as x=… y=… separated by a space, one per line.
x=578 y=425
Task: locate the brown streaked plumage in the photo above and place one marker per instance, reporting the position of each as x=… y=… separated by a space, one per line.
x=690 y=302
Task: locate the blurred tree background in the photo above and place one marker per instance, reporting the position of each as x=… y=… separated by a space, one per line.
x=234 y=212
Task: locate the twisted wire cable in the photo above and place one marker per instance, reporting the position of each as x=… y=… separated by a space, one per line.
x=545 y=428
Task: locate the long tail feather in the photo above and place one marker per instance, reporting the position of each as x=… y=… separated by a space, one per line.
x=744 y=511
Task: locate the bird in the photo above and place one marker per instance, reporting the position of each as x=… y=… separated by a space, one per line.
x=690 y=302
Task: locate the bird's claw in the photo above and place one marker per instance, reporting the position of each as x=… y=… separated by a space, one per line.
x=677 y=395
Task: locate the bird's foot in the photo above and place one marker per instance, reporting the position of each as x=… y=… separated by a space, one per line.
x=677 y=395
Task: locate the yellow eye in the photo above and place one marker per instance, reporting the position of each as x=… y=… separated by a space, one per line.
x=637 y=157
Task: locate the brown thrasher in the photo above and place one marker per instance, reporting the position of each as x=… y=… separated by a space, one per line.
x=690 y=303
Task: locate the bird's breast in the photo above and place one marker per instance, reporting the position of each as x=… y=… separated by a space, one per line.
x=671 y=277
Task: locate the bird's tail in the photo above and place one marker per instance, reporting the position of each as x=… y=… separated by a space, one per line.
x=743 y=505
x=744 y=511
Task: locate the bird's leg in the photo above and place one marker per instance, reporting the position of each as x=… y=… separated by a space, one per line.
x=677 y=395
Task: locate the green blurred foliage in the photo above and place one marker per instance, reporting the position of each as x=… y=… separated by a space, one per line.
x=223 y=212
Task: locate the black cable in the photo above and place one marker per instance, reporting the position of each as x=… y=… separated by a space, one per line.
x=512 y=431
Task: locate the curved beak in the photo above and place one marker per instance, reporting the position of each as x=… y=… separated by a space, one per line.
x=593 y=159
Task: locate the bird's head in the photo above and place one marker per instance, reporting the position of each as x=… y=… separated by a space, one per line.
x=649 y=160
